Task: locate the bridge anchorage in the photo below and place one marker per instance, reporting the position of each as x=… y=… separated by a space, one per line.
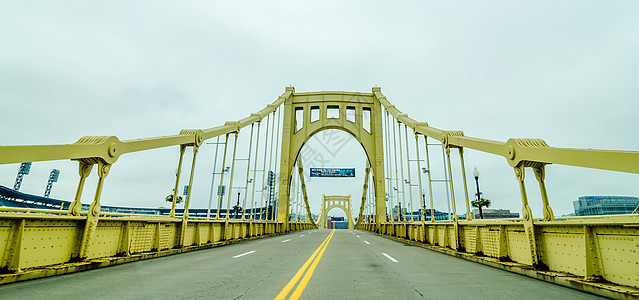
x=598 y=254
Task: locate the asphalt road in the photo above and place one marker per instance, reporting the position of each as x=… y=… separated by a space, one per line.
x=345 y=265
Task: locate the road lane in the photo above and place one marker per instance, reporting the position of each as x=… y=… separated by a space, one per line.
x=306 y=271
x=354 y=269
x=210 y=274
x=354 y=265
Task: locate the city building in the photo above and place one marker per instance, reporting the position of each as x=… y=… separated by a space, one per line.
x=494 y=213
x=397 y=210
x=336 y=223
x=439 y=215
x=605 y=205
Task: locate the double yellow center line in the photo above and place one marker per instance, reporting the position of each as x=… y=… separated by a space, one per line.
x=312 y=261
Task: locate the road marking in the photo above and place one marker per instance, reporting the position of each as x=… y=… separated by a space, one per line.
x=389 y=257
x=302 y=235
x=367 y=242
x=314 y=259
x=284 y=241
x=300 y=288
x=358 y=236
x=247 y=253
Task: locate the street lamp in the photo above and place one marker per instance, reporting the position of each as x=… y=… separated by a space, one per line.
x=476 y=174
x=237 y=207
x=423 y=205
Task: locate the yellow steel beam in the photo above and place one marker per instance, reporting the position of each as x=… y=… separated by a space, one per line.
x=300 y=169
x=364 y=191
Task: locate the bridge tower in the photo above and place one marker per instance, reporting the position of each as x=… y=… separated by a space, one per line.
x=330 y=202
x=306 y=114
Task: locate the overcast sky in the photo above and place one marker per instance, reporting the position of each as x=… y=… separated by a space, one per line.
x=566 y=71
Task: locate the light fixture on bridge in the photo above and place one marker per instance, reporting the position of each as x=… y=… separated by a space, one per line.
x=476 y=175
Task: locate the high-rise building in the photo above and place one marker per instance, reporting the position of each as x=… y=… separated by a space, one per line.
x=605 y=205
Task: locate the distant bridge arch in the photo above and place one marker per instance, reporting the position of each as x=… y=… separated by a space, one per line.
x=336 y=201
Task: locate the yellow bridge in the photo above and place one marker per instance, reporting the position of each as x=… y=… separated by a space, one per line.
x=599 y=255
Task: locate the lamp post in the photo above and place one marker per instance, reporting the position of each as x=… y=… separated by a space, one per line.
x=423 y=206
x=476 y=174
x=237 y=205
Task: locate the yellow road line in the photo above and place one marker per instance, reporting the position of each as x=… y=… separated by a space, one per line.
x=300 y=288
x=289 y=286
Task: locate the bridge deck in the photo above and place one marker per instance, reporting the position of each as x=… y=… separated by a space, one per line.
x=352 y=266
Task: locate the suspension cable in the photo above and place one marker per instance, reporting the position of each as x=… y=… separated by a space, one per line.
x=374 y=204
x=270 y=164
x=228 y=199
x=83 y=176
x=371 y=201
x=410 y=187
x=299 y=197
x=257 y=151
x=291 y=202
x=390 y=171
x=430 y=183
x=248 y=170
x=263 y=188
x=398 y=136
x=365 y=210
x=446 y=178
x=185 y=213
x=452 y=188
x=220 y=187
x=208 y=211
x=276 y=178
x=419 y=180
x=463 y=169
